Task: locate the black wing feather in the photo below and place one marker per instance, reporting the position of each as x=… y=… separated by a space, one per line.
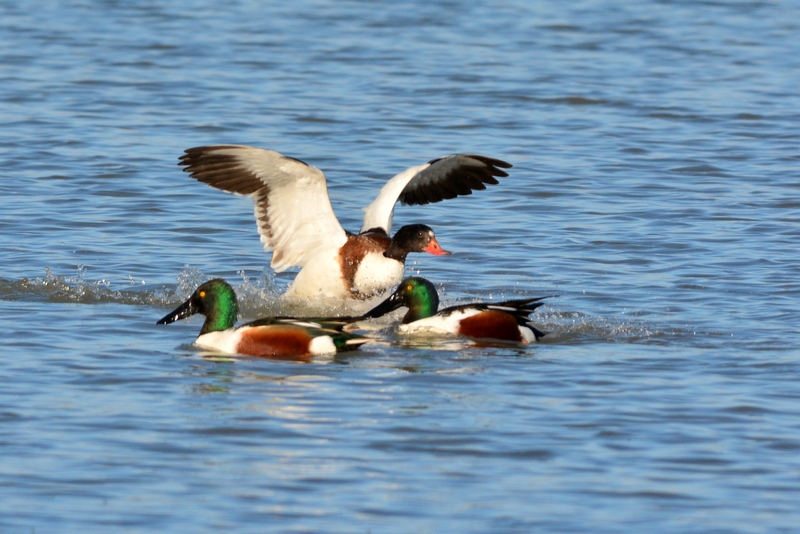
x=452 y=176
x=519 y=308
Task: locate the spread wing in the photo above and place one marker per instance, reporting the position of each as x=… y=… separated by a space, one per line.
x=293 y=212
x=440 y=179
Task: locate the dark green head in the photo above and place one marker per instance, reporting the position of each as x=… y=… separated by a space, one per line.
x=216 y=300
x=415 y=293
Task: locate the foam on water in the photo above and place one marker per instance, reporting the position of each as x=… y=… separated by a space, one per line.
x=261 y=297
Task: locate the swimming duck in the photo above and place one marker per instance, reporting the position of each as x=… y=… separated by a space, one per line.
x=506 y=321
x=296 y=221
x=272 y=337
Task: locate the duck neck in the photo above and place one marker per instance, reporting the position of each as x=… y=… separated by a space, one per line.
x=396 y=251
x=423 y=304
x=222 y=315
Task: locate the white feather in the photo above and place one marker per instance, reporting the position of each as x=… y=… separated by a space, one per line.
x=321 y=277
x=376 y=273
x=322 y=345
x=300 y=219
x=222 y=341
x=437 y=323
x=379 y=213
x=527 y=334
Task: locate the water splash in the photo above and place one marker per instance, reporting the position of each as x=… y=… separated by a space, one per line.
x=188 y=280
x=258 y=297
x=261 y=297
x=564 y=326
x=58 y=288
x=78 y=287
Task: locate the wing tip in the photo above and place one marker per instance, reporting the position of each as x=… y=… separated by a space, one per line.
x=457 y=175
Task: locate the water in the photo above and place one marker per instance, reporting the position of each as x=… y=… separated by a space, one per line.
x=654 y=190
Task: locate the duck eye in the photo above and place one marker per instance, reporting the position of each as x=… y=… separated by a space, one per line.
x=202 y=294
x=409 y=287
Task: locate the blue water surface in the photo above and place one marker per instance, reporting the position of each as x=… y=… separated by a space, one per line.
x=654 y=190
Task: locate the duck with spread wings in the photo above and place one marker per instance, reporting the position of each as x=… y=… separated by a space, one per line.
x=296 y=221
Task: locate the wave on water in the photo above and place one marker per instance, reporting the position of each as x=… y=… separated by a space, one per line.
x=571 y=326
x=257 y=297
x=72 y=288
x=78 y=288
x=260 y=297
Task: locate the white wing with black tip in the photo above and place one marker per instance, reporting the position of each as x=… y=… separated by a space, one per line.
x=440 y=179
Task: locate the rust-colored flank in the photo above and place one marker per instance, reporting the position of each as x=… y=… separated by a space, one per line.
x=356 y=248
x=275 y=341
x=491 y=324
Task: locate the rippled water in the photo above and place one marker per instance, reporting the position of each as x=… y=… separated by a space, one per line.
x=654 y=190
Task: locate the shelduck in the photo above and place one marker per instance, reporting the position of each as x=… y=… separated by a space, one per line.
x=296 y=221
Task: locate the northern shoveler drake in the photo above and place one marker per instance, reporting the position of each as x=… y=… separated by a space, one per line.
x=296 y=220
x=507 y=321
x=273 y=337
